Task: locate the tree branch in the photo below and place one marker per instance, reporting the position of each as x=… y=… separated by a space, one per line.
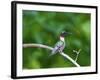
x=30 y=45
x=36 y=45
x=66 y=56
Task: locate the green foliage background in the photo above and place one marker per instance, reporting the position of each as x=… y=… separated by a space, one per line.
x=45 y=27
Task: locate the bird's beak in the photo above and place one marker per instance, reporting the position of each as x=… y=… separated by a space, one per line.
x=65 y=34
x=68 y=33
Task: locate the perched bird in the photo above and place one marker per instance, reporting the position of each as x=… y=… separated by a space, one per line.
x=60 y=45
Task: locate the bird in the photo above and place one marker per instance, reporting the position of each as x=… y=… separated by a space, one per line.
x=60 y=45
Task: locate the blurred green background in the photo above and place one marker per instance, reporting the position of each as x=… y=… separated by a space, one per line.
x=44 y=27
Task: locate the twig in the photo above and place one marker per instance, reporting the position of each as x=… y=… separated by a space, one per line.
x=66 y=56
x=30 y=45
x=76 y=57
x=77 y=52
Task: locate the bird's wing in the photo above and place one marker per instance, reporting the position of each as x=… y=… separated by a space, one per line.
x=60 y=43
x=57 y=46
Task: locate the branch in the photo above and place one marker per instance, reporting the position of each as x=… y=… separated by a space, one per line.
x=36 y=45
x=77 y=52
x=66 y=56
x=31 y=45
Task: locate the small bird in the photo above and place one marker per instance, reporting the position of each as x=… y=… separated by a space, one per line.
x=60 y=45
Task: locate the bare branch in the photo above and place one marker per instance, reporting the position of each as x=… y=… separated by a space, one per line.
x=36 y=45
x=31 y=45
x=77 y=52
x=66 y=56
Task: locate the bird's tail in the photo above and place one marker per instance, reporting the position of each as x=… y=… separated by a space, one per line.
x=52 y=53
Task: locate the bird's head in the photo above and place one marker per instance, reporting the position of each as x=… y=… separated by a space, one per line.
x=63 y=34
